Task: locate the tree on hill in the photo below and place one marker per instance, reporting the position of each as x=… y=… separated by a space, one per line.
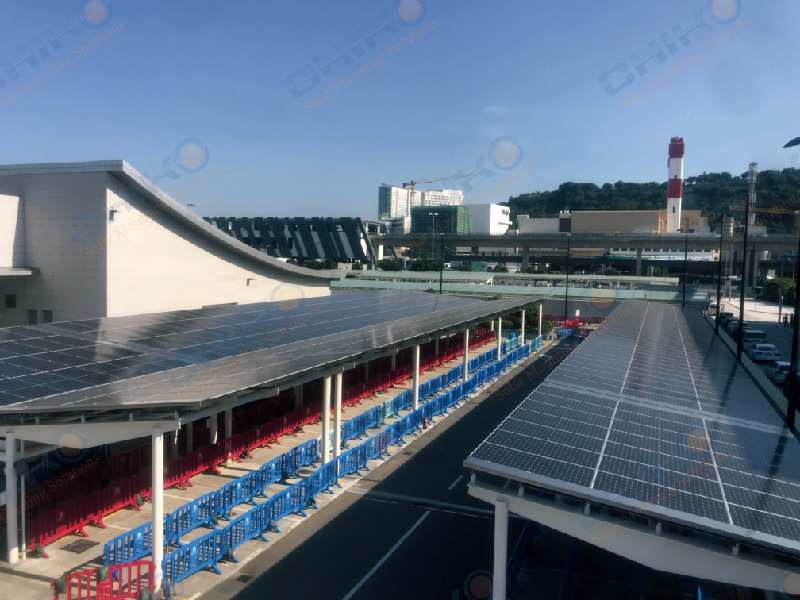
x=709 y=192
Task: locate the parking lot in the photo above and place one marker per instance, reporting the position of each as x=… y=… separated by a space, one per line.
x=764 y=317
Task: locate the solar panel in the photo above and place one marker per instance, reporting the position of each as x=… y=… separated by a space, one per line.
x=188 y=356
x=652 y=413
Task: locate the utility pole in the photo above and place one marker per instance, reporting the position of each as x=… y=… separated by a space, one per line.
x=441 y=265
x=685 y=263
x=566 y=288
x=719 y=272
x=752 y=175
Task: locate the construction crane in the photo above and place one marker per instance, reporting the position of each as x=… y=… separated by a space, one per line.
x=414 y=183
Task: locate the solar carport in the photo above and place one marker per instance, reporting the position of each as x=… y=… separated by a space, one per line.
x=87 y=383
x=652 y=442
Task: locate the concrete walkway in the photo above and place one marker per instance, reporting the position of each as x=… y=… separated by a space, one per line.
x=30 y=579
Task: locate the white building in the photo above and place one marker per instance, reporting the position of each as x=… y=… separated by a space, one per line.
x=442 y=198
x=525 y=224
x=493 y=219
x=98 y=239
x=395 y=202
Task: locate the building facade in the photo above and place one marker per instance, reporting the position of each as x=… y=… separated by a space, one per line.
x=396 y=202
x=494 y=219
x=441 y=219
x=98 y=239
x=342 y=239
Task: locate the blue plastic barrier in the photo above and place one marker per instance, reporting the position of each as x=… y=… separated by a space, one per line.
x=130 y=546
x=206 y=551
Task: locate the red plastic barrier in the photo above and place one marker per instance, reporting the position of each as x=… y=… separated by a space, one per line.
x=113 y=498
x=125 y=582
x=70 y=518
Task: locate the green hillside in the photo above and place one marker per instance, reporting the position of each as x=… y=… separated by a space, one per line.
x=708 y=192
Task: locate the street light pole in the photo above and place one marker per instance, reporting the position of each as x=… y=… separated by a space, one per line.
x=794 y=384
x=441 y=264
x=740 y=330
x=719 y=273
x=566 y=288
x=685 y=261
x=780 y=291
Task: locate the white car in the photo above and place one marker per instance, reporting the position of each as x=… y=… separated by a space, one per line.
x=763 y=353
x=778 y=371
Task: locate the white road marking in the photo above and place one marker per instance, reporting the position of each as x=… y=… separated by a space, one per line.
x=455 y=483
x=386 y=556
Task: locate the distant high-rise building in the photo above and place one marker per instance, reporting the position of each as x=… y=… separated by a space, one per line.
x=443 y=198
x=396 y=202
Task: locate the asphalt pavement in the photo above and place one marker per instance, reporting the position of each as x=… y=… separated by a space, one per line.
x=406 y=530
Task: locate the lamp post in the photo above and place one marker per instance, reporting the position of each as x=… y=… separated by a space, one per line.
x=719 y=273
x=685 y=262
x=780 y=290
x=740 y=330
x=441 y=264
x=433 y=234
x=566 y=288
x=793 y=377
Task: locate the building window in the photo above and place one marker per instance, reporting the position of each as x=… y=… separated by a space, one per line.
x=47 y=316
x=32 y=320
x=11 y=301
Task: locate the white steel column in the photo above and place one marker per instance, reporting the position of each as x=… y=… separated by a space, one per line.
x=522 y=327
x=541 y=308
x=158 y=503
x=366 y=371
x=228 y=424
x=415 y=393
x=190 y=437
x=499 y=338
x=466 y=354
x=11 y=499
x=500 y=549
x=337 y=416
x=394 y=362
x=436 y=346
x=326 y=420
x=213 y=429
x=298 y=397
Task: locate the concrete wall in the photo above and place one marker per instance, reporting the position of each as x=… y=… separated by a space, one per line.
x=62 y=214
x=12 y=234
x=158 y=263
x=618 y=221
x=525 y=224
x=90 y=266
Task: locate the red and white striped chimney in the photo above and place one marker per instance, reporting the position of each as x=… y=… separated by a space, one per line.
x=675 y=184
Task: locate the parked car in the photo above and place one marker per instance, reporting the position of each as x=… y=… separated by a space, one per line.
x=731 y=325
x=724 y=317
x=778 y=371
x=763 y=353
x=752 y=337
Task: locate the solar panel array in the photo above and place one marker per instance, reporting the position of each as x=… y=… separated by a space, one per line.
x=188 y=356
x=652 y=413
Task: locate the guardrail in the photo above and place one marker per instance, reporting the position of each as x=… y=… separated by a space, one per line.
x=209 y=508
x=217 y=546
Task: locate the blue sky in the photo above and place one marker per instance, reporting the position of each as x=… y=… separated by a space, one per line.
x=221 y=73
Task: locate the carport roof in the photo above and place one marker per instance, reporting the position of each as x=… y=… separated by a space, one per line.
x=186 y=358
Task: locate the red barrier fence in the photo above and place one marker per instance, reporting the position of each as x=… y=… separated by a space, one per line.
x=93 y=507
x=124 y=582
x=555 y=319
